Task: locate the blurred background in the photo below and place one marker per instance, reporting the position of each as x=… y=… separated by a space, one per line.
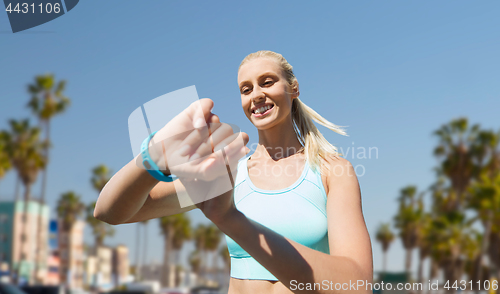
x=416 y=83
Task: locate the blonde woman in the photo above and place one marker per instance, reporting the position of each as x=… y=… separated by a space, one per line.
x=293 y=219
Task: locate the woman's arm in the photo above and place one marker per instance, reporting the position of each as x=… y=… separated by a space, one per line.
x=350 y=258
x=133 y=195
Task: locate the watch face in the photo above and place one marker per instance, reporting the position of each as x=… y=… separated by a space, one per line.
x=26 y=14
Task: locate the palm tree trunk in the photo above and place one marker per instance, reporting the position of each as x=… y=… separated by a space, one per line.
x=137 y=250
x=409 y=251
x=166 y=258
x=498 y=279
x=24 y=226
x=18 y=187
x=433 y=271
x=478 y=268
x=99 y=241
x=145 y=247
x=384 y=264
x=420 y=277
x=38 y=244
x=214 y=262
x=177 y=271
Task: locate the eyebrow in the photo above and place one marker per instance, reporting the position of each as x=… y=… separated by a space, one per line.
x=264 y=74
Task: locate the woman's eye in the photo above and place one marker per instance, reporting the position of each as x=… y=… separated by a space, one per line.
x=269 y=82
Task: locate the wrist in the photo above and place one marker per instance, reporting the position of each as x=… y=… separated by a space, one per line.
x=150 y=165
x=158 y=155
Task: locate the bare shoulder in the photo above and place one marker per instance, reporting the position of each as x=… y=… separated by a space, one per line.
x=335 y=161
x=341 y=176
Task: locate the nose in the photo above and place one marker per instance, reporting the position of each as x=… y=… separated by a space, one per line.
x=258 y=95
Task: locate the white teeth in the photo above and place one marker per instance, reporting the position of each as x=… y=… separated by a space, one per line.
x=262 y=109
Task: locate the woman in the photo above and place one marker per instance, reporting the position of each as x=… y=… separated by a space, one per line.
x=293 y=220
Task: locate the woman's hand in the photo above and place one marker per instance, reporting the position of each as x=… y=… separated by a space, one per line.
x=195 y=145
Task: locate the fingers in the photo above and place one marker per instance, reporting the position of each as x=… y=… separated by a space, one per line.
x=198 y=141
x=213 y=119
x=231 y=143
x=227 y=152
x=221 y=137
x=219 y=134
x=200 y=111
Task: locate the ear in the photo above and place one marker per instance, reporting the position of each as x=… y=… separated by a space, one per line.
x=295 y=90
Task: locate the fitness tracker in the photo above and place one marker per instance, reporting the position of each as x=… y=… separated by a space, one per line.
x=150 y=165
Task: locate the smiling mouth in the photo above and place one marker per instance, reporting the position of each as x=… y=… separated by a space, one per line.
x=262 y=110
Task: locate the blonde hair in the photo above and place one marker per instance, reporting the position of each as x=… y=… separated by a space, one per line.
x=315 y=146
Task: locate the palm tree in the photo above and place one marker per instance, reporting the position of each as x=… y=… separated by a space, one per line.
x=431 y=232
x=485 y=201
x=457 y=158
x=100 y=229
x=385 y=236
x=182 y=234
x=224 y=254
x=200 y=245
x=100 y=177
x=137 y=251
x=169 y=225
x=143 y=259
x=195 y=262
x=140 y=260
x=424 y=244
x=47 y=101
x=26 y=153
x=486 y=151
x=407 y=221
x=212 y=244
x=5 y=162
x=452 y=239
x=454 y=242
x=69 y=208
x=145 y=248
x=494 y=250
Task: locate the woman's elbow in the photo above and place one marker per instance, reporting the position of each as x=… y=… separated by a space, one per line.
x=102 y=214
x=104 y=218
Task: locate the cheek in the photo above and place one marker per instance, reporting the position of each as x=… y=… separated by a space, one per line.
x=245 y=104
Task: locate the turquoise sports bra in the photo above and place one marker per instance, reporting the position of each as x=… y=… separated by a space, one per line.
x=297 y=213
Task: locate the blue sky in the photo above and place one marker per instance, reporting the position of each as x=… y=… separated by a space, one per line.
x=392 y=71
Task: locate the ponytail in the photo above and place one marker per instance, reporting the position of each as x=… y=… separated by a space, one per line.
x=315 y=146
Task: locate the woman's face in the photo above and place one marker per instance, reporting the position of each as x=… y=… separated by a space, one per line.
x=265 y=94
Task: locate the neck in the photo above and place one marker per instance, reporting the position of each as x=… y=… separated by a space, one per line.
x=278 y=142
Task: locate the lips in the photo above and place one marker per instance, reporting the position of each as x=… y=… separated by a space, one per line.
x=261 y=108
x=265 y=111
